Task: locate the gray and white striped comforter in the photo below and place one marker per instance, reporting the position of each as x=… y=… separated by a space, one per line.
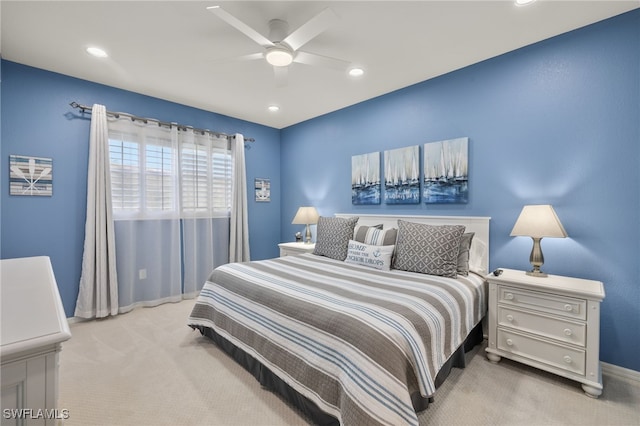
x=354 y=340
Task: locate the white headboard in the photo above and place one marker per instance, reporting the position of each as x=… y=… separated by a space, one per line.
x=477 y=224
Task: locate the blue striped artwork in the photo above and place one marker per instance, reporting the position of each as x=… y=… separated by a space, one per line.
x=30 y=176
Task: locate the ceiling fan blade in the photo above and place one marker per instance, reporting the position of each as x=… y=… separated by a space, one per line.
x=249 y=57
x=240 y=26
x=321 y=61
x=311 y=28
x=282 y=76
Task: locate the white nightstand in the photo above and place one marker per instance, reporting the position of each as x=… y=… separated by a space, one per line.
x=551 y=323
x=289 y=249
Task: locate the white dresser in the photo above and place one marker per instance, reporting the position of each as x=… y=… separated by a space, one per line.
x=289 y=249
x=33 y=327
x=551 y=323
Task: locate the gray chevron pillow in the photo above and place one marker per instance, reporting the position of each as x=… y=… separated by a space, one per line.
x=333 y=235
x=428 y=249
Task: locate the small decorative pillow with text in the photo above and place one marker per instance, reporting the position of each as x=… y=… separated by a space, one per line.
x=333 y=235
x=428 y=249
x=378 y=257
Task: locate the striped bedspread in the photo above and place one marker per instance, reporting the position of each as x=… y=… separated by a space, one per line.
x=354 y=340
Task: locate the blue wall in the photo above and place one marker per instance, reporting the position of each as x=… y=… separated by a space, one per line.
x=556 y=122
x=38 y=121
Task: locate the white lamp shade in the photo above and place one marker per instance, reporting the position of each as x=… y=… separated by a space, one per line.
x=538 y=221
x=306 y=216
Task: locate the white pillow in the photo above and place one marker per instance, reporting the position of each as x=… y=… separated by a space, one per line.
x=378 y=257
x=478 y=257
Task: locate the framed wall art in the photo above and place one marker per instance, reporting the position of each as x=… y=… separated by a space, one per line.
x=446 y=171
x=263 y=190
x=402 y=175
x=365 y=179
x=30 y=176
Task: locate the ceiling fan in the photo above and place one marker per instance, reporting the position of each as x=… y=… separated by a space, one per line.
x=282 y=47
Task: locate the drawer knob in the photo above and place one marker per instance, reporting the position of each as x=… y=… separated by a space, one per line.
x=508 y=296
x=567 y=359
x=509 y=342
x=568 y=307
x=568 y=332
x=510 y=318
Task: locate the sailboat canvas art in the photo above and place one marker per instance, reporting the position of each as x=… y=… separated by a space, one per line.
x=446 y=177
x=402 y=175
x=365 y=179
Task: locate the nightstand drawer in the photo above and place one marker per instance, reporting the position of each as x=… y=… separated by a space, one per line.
x=540 y=350
x=550 y=303
x=562 y=330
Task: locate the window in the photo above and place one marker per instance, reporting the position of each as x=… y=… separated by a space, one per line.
x=205 y=173
x=155 y=169
x=125 y=174
x=159 y=182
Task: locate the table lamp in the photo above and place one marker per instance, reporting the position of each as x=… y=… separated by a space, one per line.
x=538 y=221
x=306 y=216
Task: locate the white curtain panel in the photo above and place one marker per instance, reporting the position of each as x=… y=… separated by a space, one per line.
x=98 y=295
x=239 y=238
x=149 y=270
x=205 y=183
x=146 y=191
x=205 y=243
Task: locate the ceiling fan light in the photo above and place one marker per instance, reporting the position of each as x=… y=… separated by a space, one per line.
x=279 y=57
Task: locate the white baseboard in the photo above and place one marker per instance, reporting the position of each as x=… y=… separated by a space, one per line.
x=621 y=372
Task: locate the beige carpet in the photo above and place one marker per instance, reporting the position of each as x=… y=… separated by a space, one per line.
x=148 y=368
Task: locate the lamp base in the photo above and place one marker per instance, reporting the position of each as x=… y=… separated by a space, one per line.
x=307 y=239
x=537 y=259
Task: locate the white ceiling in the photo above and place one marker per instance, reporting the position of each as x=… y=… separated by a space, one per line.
x=173 y=49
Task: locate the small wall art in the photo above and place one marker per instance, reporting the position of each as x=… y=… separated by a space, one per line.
x=402 y=175
x=30 y=175
x=446 y=176
x=365 y=179
x=263 y=190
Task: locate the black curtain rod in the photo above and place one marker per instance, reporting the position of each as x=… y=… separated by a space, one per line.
x=85 y=108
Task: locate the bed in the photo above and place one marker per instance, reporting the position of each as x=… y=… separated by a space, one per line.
x=359 y=339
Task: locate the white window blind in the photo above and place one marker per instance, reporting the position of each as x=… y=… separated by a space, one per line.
x=124 y=155
x=125 y=173
x=159 y=182
x=159 y=172
x=205 y=176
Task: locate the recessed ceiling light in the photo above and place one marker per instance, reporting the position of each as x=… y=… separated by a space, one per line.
x=523 y=2
x=274 y=108
x=356 y=72
x=97 y=52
